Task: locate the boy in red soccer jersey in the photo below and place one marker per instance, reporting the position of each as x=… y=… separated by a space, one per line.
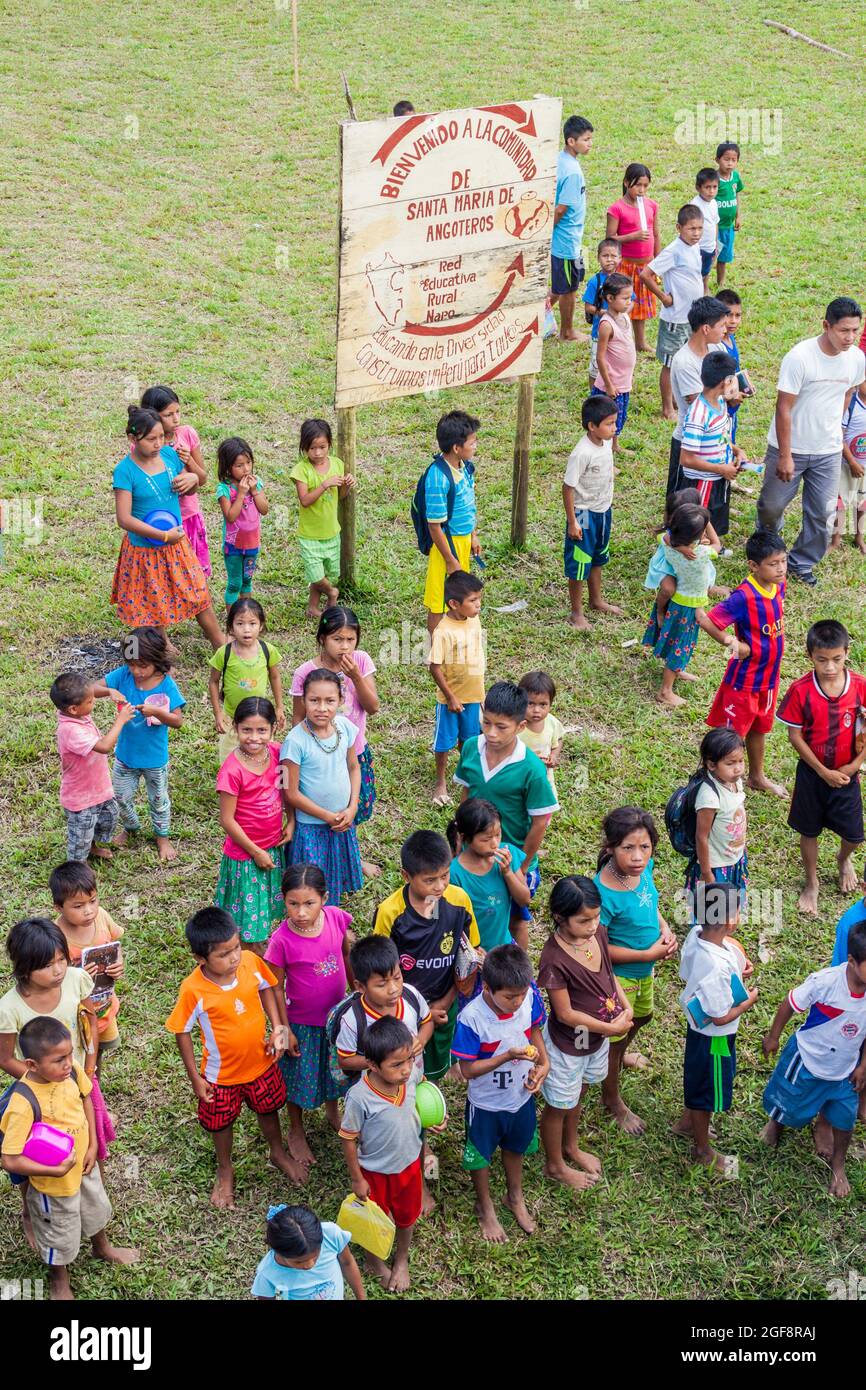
x=824 y=712
x=746 y=698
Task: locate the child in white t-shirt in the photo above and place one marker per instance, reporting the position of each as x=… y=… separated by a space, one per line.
x=720 y=806
x=678 y=266
x=707 y=184
x=587 y=495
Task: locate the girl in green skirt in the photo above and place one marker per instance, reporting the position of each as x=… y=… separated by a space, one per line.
x=257 y=826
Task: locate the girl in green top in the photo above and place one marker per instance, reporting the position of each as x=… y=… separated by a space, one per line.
x=246 y=666
x=320 y=478
x=487 y=870
x=637 y=933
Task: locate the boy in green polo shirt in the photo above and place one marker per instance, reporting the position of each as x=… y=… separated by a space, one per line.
x=498 y=767
x=728 y=202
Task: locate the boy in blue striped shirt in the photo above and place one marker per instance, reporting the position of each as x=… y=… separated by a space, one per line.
x=708 y=460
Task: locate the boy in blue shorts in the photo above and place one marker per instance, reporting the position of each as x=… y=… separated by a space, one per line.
x=822 y=1068
x=728 y=202
x=569 y=217
x=587 y=495
x=457 y=665
x=449 y=508
x=501 y=1053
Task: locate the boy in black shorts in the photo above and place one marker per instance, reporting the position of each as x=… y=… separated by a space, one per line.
x=825 y=714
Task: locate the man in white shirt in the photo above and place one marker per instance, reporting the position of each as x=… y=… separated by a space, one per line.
x=816 y=381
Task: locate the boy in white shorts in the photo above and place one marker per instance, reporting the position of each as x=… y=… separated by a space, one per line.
x=587 y=1008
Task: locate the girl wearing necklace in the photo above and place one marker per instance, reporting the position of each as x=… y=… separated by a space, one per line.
x=322 y=784
x=309 y=954
x=256 y=825
x=588 y=1007
x=638 y=935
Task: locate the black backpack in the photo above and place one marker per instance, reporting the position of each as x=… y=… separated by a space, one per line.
x=227 y=652
x=681 y=818
x=418 y=509
x=597 y=301
x=335 y=1019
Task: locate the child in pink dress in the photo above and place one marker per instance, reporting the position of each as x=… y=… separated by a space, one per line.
x=187 y=444
x=616 y=347
x=632 y=222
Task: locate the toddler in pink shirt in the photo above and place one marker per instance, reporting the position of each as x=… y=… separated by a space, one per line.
x=86 y=793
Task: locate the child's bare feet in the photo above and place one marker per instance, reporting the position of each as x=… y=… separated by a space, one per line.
x=763 y=784
x=223 y=1191
x=636 y=1060
x=428 y=1201
x=299 y=1148
x=719 y=591
x=313 y=611
x=839 y=1184
x=295 y=1171
x=669 y=699
x=602 y=606
x=848 y=879
x=569 y=1177
x=579 y=621
x=823 y=1137
x=167 y=851
x=59 y=1288
x=115 y=1254
x=378 y=1269
x=120 y=839
x=100 y=852
x=399 y=1281
x=771 y=1133
x=489 y=1223
x=369 y=869
x=517 y=1206
x=440 y=795
x=722 y=1164
x=685 y=676
x=627 y=1120
x=587 y=1161
x=808 y=900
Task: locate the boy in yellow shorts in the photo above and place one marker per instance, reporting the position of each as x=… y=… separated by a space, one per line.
x=449 y=505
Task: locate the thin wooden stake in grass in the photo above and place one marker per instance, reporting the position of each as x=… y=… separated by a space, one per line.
x=520 y=477
x=348 y=95
x=295 y=44
x=795 y=34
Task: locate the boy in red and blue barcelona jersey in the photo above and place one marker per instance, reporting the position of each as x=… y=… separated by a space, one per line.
x=746 y=698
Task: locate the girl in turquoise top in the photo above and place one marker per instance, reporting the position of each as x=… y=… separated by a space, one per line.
x=673 y=629
x=637 y=933
x=487 y=870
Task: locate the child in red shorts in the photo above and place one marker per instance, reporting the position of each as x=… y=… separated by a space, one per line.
x=746 y=698
x=228 y=995
x=381 y=1135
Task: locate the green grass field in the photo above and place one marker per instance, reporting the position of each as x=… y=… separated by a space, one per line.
x=154 y=180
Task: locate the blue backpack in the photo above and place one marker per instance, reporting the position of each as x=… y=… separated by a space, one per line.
x=419 y=505
x=681 y=818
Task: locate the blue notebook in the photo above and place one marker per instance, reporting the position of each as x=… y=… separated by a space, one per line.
x=739 y=995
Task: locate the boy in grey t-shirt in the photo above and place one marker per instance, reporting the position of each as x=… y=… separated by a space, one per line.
x=381 y=1135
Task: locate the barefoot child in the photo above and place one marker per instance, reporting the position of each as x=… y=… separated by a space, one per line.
x=825 y=715
x=616 y=349
x=488 y=870
x=307 y=1258
x=637 y=934
x=338 y=640
x=381 y=1135
x=86 y=793
x=746 y=698
x=243 y=503
x=457 y=665
x=229 y=995
x=707 y=185
x=728 y=202
x=66 y=1201
x=320 y=479
x=84 y=924
x=374 y=963
x=308 y=954
x=587 y=496
x=587 y=1008
x=679 y=267
x=142 y=747
x=720 y=815
x=608 y=260
x=708 y=459
x=714 y=1000
x=542 y=732
x=674 y=626
x=632 y=223
x=244 y=667
x=450 y=512
x=851 y=511
x=822 y=1068
x=500 y=1048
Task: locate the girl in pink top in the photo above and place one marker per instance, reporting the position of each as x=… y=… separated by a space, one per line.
x=337 y=637
x=616 y=347
x=632 y=221
x=309 y=953
x=252 y=815
x=187 y=444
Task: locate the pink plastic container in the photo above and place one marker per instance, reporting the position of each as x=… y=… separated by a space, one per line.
x=160 y=701
x=47 y=1145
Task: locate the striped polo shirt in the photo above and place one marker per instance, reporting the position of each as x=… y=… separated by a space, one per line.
x=707 y=433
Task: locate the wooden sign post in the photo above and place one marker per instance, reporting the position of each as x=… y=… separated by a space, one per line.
x=445 y=231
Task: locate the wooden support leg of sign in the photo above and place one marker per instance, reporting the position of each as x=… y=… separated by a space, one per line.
x=346 y=437
x=520 y=477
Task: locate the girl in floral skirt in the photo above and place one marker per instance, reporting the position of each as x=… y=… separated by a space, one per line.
x=186 y=443
x=337 y=638
x=322 y=784
x=252 y=815
x=673 y=629
x=309 y=953
x=632 y=221
x=158 y=581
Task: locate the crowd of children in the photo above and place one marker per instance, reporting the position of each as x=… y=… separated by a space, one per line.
x=297 y=1010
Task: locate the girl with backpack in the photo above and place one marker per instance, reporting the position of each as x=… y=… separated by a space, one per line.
x=720 y=814
x=244 y=667
x=309 y=952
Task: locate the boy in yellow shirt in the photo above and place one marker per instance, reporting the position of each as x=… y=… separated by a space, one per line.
x=457 y=665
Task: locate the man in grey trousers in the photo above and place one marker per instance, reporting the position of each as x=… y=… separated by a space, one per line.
x=816 y=380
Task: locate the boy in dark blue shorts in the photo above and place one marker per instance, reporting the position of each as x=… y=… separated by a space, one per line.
x=587 y=495
x=457 y=665
x=501 y=1052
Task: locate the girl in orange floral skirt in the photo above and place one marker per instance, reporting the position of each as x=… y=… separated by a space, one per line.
x=158 y=581
x=632 y=222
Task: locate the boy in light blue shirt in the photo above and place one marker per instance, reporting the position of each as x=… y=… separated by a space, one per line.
x=569 y=217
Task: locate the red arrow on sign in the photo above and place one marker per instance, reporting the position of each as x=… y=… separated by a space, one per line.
x=402 y=130
x=517 y=114
x=527 y=338
x=516 y=268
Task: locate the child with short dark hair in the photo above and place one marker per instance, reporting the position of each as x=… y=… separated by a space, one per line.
x=457 y=665
x=403 y=108
x=729 y=343
x=500 y=1048
x=307 y=1258
x=822 y=1068
x=675 y=622
x=489 y=871
x=678 y=267
x=708 y=459
x=380 y=992
x=65 y=1201
x=381 y=1134
x=746 y=697
x=714 y=1000
x=501 y=769
x=608 y=259
x=543 y=732
x=825 y=715
x=449 y=507
x=707 y=185
x=86 y=793
x=320 y=478
x=85 y=924
x=728 y=202
x=587 y=496
x=245 y=667
x=427 y=919
x=229 y=995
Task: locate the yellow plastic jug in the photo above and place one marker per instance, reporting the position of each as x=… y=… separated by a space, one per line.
x=367 y=1224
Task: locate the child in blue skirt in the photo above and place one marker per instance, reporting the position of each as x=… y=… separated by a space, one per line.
x=322 y=783
x=673 y=629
